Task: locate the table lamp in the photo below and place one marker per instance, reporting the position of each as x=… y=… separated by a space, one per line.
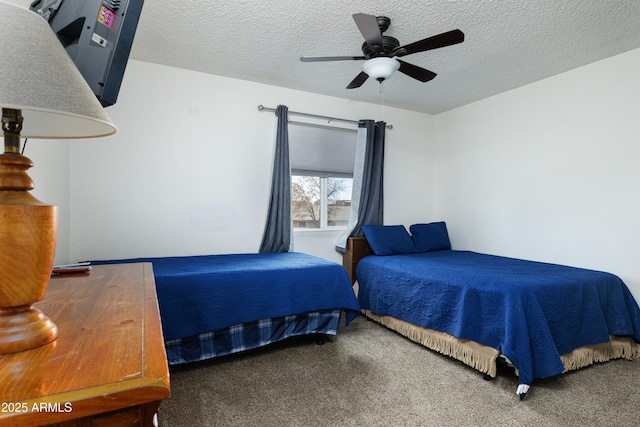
x=42 y=95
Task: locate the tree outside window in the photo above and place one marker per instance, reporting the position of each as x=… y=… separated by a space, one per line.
x=320 y=202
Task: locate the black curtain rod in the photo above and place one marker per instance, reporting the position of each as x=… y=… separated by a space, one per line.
x=263 y=108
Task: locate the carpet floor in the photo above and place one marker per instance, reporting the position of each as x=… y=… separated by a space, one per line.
x=368 y=375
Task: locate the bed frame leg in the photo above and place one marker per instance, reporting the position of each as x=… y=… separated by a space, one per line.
x=487 y=377
x=320 y=341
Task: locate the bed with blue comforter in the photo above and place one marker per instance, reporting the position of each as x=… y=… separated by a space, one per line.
x=533 y=313
x=213 y=305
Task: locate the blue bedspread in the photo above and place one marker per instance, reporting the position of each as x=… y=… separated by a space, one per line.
x=200 y=294
x=533 y=312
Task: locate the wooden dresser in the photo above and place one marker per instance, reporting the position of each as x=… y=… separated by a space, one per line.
x=357 y=248
x=108 y=366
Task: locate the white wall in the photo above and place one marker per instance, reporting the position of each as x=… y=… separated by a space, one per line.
x=549 y=171
x=190 y=168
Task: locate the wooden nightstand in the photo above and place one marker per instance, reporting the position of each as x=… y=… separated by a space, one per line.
x=357 y=248
x=108 y=366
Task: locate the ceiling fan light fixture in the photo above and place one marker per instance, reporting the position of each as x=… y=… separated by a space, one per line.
x=380 y=68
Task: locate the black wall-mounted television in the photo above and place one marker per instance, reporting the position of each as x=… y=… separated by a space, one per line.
x=97 y=35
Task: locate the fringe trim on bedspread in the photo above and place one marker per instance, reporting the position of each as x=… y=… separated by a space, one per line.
x=616 y=348
x=478 y=356
x=483 y=358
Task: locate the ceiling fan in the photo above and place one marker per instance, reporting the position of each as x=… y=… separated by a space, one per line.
x=380 y=52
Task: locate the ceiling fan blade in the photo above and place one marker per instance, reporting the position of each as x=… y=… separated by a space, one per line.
x=330 y=58
x=358 y=81
x=434 y=42
x=416 y=72
x=368 y=26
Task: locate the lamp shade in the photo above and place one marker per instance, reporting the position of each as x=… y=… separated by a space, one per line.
x=380 y=68
x=38 y=77
x=42 y=95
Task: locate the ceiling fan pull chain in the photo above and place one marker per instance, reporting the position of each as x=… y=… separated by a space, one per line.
x=382 y=100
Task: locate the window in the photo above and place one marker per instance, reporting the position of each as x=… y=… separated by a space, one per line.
x=321 y=175
x=320 y=202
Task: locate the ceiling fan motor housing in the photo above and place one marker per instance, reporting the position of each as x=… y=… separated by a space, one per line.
x=389 y=44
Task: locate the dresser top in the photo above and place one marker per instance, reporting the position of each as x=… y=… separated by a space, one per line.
x=109 y=346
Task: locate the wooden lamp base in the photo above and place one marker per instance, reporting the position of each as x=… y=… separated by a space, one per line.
x=28 y=231
x=24 y=328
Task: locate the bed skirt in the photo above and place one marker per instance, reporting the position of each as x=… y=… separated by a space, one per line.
x=250 y=335
x=483 y=358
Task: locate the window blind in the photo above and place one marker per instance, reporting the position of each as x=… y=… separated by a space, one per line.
x=321 y=150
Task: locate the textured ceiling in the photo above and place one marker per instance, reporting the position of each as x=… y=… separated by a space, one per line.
x=507 y=43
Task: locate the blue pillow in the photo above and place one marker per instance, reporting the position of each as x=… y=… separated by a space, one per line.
x=389 y=239
x=430 y=237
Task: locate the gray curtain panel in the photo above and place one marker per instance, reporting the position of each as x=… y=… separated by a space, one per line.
x=277 y=232
x=371 y=203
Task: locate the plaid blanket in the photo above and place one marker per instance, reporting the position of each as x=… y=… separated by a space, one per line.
x=250 y=335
